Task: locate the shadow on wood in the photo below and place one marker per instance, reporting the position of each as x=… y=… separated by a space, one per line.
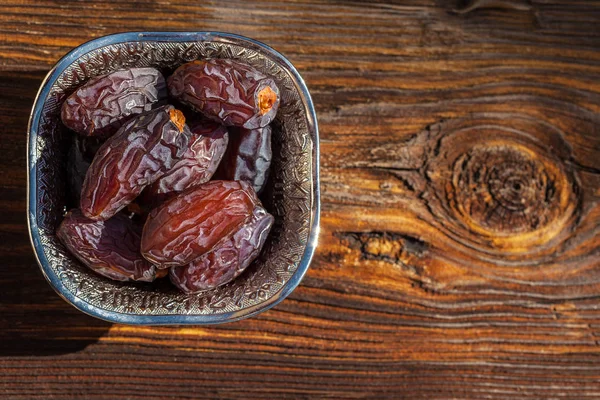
x=34 y=320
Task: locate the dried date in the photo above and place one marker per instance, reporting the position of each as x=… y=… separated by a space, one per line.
x=197 y=165
x=226 y=91
x=142 y=151
x=103 y=104
x=228 y=259
x=248 y=157
x=190 y=224
x=111 y=248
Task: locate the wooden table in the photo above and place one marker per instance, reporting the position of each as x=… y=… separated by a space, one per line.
x=459 y=251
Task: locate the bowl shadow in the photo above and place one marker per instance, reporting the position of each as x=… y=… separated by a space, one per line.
x=34 y=320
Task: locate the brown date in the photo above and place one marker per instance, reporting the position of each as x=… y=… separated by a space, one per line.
x=190 y=224
x=196 y=166
x=103 y=104
x=226 y=91
x=248 y=157
x=141 y=151
x=111 y=248
x=228 y=259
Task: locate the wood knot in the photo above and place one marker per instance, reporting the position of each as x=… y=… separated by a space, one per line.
x=505 y=189
x=390 y=247
x=501 y=184
x=472 y=5
x=382 y=247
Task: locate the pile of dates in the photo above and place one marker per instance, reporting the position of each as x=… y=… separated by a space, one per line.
x=165 y=190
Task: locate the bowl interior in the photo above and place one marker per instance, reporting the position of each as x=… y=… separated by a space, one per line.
x=291 y=195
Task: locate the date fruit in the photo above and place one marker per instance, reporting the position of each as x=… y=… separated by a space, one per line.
x=142 y=151
x=248 y=157
x=226 y=91
x=197 y=165
x=80 y=156
x=104 y=103
x=111 y=248
x=228 y=259
x=190 y=224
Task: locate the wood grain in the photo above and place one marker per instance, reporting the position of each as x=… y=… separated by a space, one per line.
x=459 y=253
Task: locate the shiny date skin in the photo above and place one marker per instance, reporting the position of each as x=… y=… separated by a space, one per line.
x=103 y=104
x=110 y=248
x=228 y=259
x=190 y=224
x=226 y=91
x=248 y=157
x=197 y=165
x=142 y=151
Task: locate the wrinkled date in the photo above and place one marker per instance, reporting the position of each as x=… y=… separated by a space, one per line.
x=197 y=165
x=227 y=91
x=228 y=259
x=190 y=224
x=102 y=105
x=248 y=157
x=111 y=248
x=142 y=151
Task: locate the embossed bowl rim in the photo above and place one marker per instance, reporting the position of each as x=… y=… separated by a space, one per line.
x=173 y=319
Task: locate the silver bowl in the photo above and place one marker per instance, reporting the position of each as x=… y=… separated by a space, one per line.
x=292 y=195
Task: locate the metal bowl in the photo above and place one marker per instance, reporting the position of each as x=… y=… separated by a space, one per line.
x=292 y=195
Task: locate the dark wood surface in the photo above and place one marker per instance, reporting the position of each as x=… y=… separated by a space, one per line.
x=459 y=252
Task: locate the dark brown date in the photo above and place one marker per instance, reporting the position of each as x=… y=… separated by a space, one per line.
x=111 y=248
x=104 y=103
x=248 y=157
x=142 y=151
x=190 y=224
x=197 y=165
x=226 y=91
x=80 y=156
x=228 y=259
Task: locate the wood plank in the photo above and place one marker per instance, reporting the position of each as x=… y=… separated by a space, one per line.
x=459 y=254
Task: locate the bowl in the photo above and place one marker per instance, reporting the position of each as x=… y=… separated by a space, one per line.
x=292 y=193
